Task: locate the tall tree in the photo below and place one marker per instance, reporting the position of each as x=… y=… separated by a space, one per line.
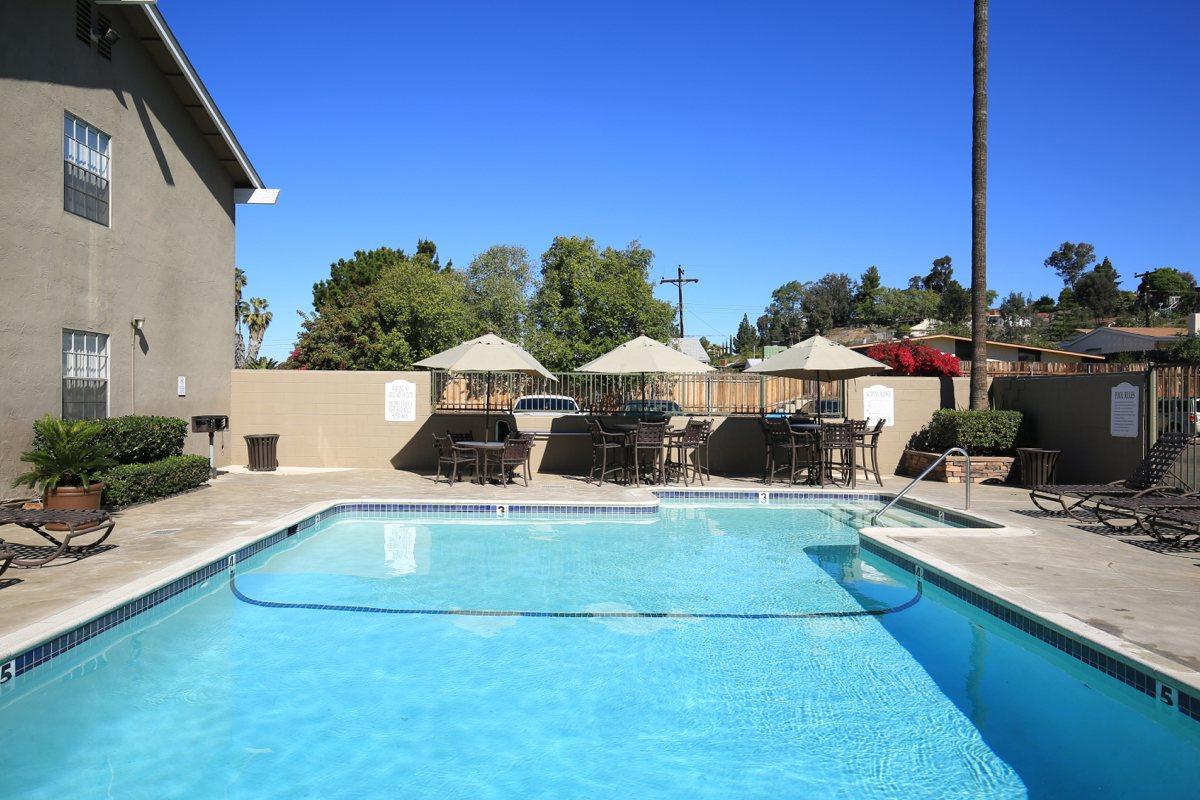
x=746 y=341
x=828 y=302
x=382 y=309
x=782 y=322
x=257 y=318
x=1099 y=291
x=590 y=300
x=239 y=309
x=866 y=297
x=1071 y=260
x=979 y=299
x=954 y=305
x=939 y=276
x=498 y=282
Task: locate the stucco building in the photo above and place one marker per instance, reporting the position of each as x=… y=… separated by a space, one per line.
x=118 y=205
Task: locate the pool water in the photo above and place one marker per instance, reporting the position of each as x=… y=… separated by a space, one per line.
x=218 y=696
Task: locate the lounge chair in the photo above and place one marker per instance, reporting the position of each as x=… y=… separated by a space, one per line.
x=1138 y=509
x=69 y=525
x=1147 y=479
x=1171 y=525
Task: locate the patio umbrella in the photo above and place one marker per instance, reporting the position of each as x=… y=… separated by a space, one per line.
x=489 y=353
x=819 y=359
x=644 y=355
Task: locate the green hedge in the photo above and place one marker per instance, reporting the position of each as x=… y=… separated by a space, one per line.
x=136 y=483
x=138 y=439
x=980 y=433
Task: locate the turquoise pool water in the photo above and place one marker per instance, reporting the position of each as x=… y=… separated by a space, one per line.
x=213 y=696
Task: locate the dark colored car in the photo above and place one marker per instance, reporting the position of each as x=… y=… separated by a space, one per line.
x=650 y=410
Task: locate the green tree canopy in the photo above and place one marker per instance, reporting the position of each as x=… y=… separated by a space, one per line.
x=746 y=341
x=498 y=282
x=828 y=302
x=866 y=297
x=591 y=300
x=1070 y=261
x=954 y=304
x=383 y=310
x=1099 y=291
x=907 y=306
x=939 y=276
x=782 y=322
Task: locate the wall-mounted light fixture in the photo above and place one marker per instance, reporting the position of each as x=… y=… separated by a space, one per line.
x=106 y=34
x=136 y=323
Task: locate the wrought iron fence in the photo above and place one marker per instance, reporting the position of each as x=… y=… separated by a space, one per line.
x=1175 y=393
x=717 y=393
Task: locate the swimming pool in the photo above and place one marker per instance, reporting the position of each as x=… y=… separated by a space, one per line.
x=703 y=649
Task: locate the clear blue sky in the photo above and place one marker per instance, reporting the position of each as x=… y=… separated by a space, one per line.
x=754 y=143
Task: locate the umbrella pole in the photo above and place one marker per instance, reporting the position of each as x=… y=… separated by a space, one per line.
x=818 y=399
x=643 y=392
x=487 y=408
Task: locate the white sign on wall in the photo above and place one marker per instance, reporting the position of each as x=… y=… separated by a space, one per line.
x=1124 y=411
x=879 y=402
x=400 y=401
x=181 y=386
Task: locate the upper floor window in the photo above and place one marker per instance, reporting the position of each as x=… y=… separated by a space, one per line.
x=84 y=375
x=86 y=169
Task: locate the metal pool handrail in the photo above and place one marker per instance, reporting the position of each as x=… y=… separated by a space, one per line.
x=966 y=483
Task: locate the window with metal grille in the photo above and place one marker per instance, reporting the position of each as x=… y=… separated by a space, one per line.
x=83 y=21
x=84 y=375
x=86 y=169
x=103 y=45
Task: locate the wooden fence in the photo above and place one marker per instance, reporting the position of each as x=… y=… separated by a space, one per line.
x=995 y=368
x=709 y=393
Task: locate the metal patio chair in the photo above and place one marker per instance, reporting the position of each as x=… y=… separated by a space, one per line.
x=452 y=456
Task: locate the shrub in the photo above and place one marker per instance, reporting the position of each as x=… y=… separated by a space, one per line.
x=136 y=439
x=980 y=433
x=910 y=358
x=69 y=454
x=135 y=483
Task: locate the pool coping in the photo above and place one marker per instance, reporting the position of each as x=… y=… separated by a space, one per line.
x=33 y=645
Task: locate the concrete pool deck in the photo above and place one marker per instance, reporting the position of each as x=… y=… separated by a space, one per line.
x=1122 y=591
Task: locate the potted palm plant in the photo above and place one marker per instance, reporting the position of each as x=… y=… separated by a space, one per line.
x=67 y=457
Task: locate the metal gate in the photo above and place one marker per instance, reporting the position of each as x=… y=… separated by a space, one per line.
x=1175 y=406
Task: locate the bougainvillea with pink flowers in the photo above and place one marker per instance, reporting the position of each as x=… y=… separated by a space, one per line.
x=910 y=358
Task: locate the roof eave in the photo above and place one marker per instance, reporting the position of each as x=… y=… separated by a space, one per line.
x=249 y=186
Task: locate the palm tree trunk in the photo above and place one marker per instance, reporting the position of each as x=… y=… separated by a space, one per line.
x=256 y=337
x=239 y=349
x=979 y=304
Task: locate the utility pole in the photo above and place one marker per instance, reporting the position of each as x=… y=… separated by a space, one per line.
x=679 y=281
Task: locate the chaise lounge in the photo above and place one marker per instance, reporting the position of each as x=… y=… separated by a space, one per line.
x=68 y=526
x=1081 y=500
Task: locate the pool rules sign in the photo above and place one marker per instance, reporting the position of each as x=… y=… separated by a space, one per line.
x=1123 y=411
x=879 y=403
x=400 y=401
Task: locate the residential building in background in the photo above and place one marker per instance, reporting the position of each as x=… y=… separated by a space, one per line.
x=117 y=217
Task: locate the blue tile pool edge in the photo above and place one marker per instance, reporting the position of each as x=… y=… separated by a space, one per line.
x=1088 y=653
x=1109 y=664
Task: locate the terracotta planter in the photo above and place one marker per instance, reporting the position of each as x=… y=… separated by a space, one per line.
x=73 y=498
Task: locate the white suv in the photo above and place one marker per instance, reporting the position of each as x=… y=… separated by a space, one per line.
x=545 y=404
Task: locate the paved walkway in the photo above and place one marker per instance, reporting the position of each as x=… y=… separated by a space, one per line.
x=1139 y=601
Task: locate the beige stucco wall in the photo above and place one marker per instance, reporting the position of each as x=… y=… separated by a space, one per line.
x=336 y=419
x=1071 y=413
x=168 y=255
x=915 y=401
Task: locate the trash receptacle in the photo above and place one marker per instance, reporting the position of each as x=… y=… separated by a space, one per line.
x=261 y=447
x=1037 y=465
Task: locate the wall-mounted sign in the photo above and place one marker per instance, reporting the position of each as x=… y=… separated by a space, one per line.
x=181 y=386
x=400 y=401
x=879 y=402
x=1124 y=411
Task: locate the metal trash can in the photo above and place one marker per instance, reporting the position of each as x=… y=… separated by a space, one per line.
x=1037 y=465
x=261 y=448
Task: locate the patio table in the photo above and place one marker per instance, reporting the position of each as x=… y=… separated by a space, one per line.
x=481 y=456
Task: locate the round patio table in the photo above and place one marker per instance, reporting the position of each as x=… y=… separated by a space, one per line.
x=481 y=455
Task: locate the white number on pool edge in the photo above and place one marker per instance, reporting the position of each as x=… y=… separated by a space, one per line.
x=8 y=671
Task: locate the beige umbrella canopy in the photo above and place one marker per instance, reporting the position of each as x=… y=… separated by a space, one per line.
x=641 y=356
x=819 y=359
x=489 y=353
x=644 y=355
